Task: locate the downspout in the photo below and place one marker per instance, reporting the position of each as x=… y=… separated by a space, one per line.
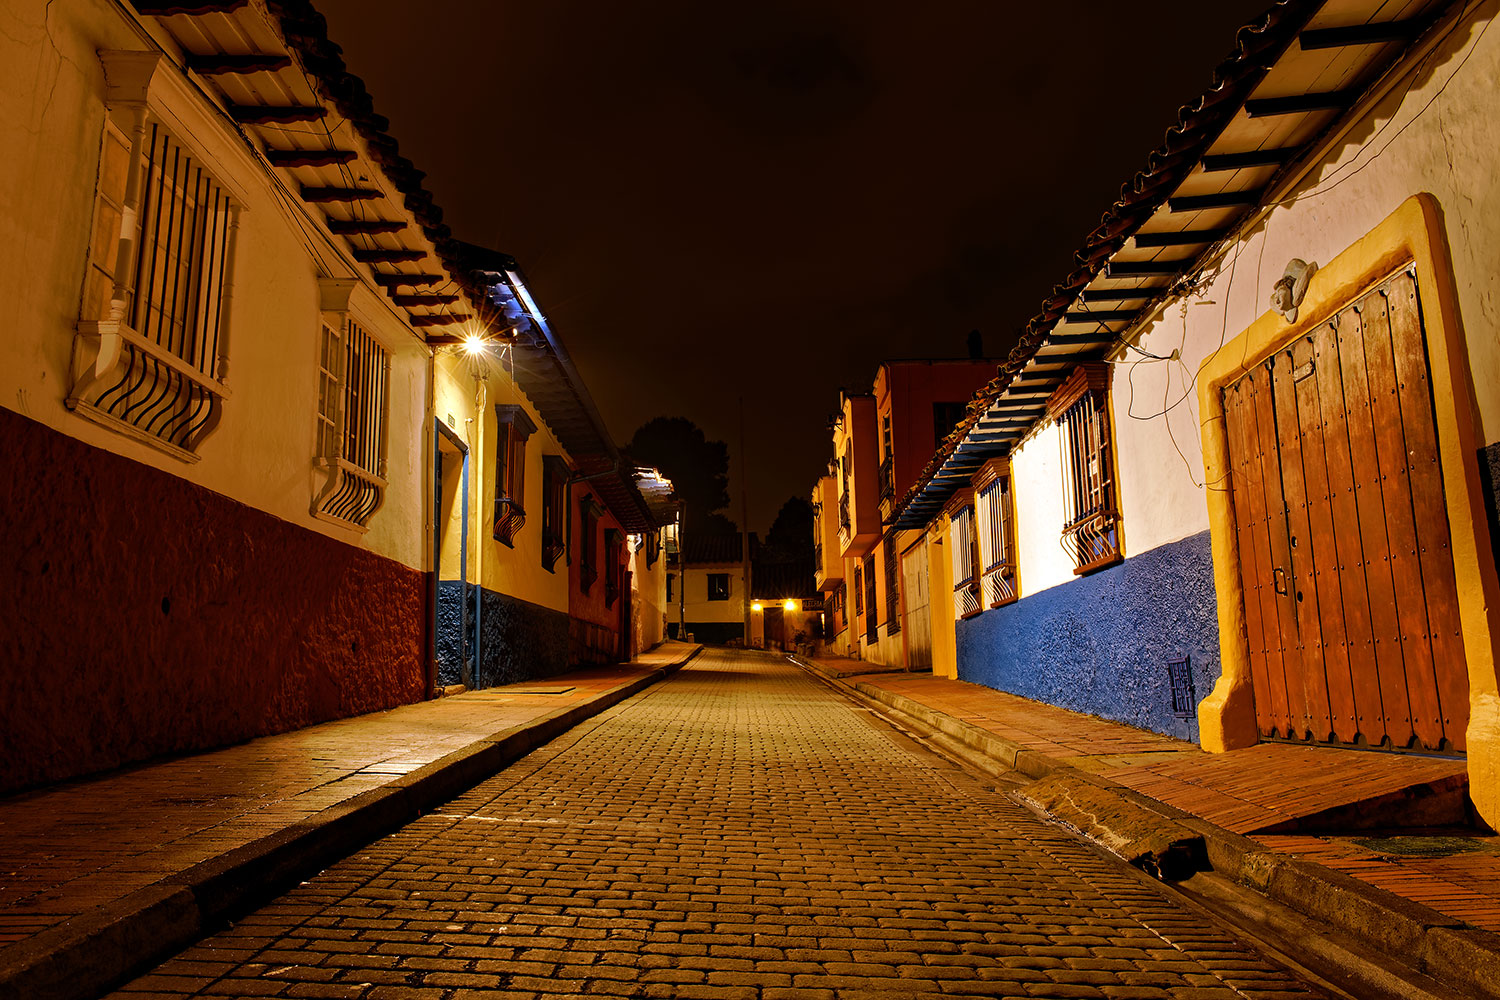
x=434 y=555
x=481 y=398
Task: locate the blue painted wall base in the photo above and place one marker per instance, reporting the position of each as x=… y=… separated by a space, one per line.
x=1101 y=643
x=520 y=640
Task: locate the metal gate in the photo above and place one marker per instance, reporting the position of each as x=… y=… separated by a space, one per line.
x=1351 y=609
x=918 y=607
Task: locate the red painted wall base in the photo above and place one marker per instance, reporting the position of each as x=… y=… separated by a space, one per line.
x=142 y=615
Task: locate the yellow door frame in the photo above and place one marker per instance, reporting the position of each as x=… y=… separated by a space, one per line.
x=1411 y=236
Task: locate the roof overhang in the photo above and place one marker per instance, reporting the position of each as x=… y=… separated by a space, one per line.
x=1297 y=77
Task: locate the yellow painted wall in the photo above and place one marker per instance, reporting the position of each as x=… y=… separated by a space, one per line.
x=518 y=571
x=699 y=608
x=648 y=599
x=940 y=584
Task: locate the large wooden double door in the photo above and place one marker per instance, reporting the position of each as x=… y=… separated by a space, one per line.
x=1351 y=610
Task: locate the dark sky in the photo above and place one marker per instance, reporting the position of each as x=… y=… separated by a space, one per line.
x=764 y=199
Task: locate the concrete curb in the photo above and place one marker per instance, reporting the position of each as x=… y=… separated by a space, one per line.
x=1430 y=942
x=96 y=951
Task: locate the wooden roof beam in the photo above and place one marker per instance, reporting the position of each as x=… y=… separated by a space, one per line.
x=224 y=64
x=310 y=157
x=390 y=281
x=1361 y=34
x=1296 y=104
x=1121 y=294
x=424 y=300
x=383 y=256
x=1273 y=157
x=165 y=8
x=1181 y=238
x=1098 y=316
x=1224 y=199
x=364 y=227
x=276 y=114
x=321 y=195
x=1144 y=268
x=1079 y=339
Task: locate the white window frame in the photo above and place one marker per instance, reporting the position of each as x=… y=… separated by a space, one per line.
x=353 y=415
x=165 y=391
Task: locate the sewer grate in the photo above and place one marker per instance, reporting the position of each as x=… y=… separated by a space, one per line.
x=1420 y=847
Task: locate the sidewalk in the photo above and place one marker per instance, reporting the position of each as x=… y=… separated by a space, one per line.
x=1363 y=839
x=101 y=874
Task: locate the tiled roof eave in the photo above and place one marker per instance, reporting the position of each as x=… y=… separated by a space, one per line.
x=1257 y=46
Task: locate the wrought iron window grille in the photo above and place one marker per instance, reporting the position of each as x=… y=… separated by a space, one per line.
x=150 y=356
x=353 y=417
x=513 y=428
x=555 y=489
x=1090 y=533
x=995 y=524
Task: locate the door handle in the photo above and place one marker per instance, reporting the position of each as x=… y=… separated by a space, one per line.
x=1278 y=576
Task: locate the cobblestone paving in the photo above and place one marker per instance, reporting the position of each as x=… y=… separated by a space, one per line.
x=738 y=831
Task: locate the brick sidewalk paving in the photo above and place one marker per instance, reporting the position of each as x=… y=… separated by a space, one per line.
x=1249 y=791
x=736 y=832
x=71 y=848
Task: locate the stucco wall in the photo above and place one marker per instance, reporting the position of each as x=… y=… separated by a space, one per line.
x=697 y=606
x=1036 y=475
x=648 y=600
x=517 y=569
x=146 y=615
x=1101 y=643
x=262 y=452
x=1437 y=133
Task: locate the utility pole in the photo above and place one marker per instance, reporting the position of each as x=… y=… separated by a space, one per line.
x=744 y=525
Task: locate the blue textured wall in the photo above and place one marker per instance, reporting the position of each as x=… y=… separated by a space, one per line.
x=1100 y=643
x=520 y=640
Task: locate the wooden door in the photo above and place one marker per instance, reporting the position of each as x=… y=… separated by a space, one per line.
x=918 y=612
x=1351 y=610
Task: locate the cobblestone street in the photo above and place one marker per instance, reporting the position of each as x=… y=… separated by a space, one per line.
x=737 y=831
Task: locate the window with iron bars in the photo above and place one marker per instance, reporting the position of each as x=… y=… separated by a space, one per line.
x=153 y=329
x=859 y=590
x=612 y=569
x=995 y=522
x=892 y=585
x=963 y=554
x=1090 y=533
x=512 y=429
x=872 y=620
x=554 y=510
x=353 y=413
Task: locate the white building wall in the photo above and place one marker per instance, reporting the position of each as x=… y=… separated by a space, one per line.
x=1036 y=475
x=262 y=451
x=1436 y=133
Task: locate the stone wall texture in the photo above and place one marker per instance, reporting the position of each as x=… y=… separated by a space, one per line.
x=142 y=615
x=1100 y=644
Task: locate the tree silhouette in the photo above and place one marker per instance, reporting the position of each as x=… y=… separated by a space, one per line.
x=698 y=468
x=791 y=534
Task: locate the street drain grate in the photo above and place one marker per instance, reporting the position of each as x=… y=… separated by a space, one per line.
x=1420 y=847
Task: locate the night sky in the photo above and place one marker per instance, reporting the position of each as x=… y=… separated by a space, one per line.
x=717 y=200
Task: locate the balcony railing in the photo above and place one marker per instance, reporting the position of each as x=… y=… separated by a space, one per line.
x=888 y=479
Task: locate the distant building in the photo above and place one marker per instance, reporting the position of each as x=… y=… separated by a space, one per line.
x=715 y=596
x=875 y=579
